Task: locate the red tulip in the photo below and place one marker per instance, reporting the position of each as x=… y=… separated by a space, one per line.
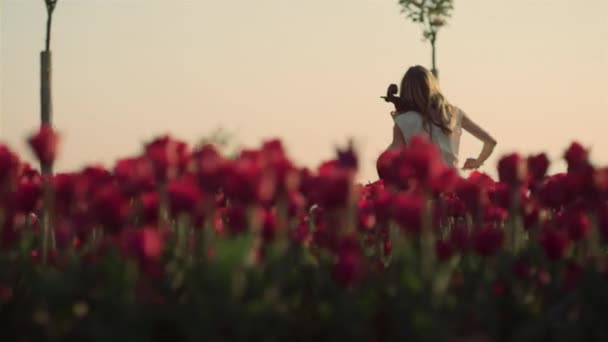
x=236 y=219
x=332 y=186
x=29 y=194
x=577 y=224
x=247 y=183
x=9 y=166
x=422 y=161
x=348 y=269
x=64 y=186
x=366 y=217
x=444 y=181
x=407 y=211
x=269 y=225
x=537 y=167
x=386 y=166
x=135 y=175
x=169 y=157
x=512 y=169
x=184 y=195
x=495 y=213
x=382 y=205
x=347 y=158
x=556 y=192
x=45 y=144
x=110 y=208
x=473 y=191
x=576 y=156
x=210 y=167
x=500 y=194
x=488 y=241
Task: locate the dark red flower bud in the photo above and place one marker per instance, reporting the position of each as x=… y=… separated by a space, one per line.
x=64 y=185
x=386 y=166
x=500 y=194
x=169 y=157
x=445 y=180
x=555 y=192
x=29 y=194
x=269 y=225
x=348 y=158
x=110 y=208
x=495 y=213
x=537 y=167
x=44 y=144
x=135 y=175
x=348 y=269
x=578 y=225
x=9 y=166
x=247 y=183
x=296 y=204
x=236 y=219
x=332 y=186
x=210 y=167
x=146 y=245
x=473 y=191
x=367 y=219
x=184 y=195
x=512 y=169
x=407 y=211
x=576 y=156
x=488 y=241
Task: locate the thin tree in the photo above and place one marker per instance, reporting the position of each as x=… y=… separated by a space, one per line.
x=46 y=104
x=432 y=15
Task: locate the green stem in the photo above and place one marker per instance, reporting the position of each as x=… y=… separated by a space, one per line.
x=46 y=220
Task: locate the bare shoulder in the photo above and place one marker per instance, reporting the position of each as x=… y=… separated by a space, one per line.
x=458 y=112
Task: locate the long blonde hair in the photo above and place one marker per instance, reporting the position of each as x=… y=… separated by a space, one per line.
x=420 y=91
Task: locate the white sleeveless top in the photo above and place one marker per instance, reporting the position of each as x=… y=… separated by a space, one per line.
x=411 y=123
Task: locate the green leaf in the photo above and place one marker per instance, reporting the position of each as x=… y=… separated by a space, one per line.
x=231 y=252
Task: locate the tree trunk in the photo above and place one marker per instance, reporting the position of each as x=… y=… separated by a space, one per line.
x=434 y=67
x=46 y=105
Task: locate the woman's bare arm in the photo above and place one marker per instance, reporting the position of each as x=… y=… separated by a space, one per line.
x=488 y=143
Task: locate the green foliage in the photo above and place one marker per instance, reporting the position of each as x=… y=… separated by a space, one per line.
x=431 y=14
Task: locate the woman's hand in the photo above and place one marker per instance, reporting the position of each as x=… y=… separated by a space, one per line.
x=472 y=164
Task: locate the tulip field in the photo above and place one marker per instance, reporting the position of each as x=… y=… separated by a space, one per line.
x=183 y=243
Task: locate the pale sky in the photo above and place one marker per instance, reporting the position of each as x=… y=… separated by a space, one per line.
x=534 y=73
